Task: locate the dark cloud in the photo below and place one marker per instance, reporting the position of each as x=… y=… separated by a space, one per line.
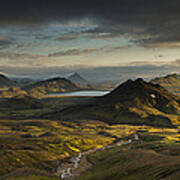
x=153 y=23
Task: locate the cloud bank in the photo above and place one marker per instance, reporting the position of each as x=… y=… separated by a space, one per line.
x=151 y=24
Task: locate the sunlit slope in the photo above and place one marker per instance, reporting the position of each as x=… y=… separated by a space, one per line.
x=170 y=82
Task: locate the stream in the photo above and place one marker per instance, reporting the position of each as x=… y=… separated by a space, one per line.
x=68 y=172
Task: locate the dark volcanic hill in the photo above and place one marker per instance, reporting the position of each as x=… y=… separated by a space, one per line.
x=133 y=102
x=50 y=86
x=6 y=82
x=77 y=79
x=170 y=82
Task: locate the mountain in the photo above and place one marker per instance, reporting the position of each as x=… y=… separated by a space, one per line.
x=77 y=79
x=170 y=82
x=50 y=86
x=133 y=102
x=6 y=82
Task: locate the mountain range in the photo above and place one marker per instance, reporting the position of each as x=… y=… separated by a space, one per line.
x=36 y=89
x=133 y=102
x=50 y=86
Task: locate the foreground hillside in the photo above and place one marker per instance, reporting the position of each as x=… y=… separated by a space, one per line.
x=36 y=148
x=133 y=102
x=43 y=144
x=170 y=82
x=147 y=158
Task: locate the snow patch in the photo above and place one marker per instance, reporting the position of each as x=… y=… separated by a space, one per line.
x=153 y=96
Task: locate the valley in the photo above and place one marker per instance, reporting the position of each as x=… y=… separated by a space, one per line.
x=89 y=90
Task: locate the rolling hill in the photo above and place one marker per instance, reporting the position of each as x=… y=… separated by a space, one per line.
x=133 y=102
x=50 y=86
x=170 y=82
x=40 y=88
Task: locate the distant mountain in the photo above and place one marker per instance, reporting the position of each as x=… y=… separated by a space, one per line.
x=170 y=82
x=133 y=102
x=77 y=79
x=6 y=82
x=50 y=86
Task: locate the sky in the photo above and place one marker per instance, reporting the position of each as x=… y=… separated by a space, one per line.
x=51 y=34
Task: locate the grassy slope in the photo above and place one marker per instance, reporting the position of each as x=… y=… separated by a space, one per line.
x=151 y=160
x=170 y=82
x=41 y=144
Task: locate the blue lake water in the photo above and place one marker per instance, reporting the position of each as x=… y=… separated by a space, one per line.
x=81 y=93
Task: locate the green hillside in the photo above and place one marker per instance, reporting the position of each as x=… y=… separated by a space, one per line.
x=170 y=82
x=145 y=160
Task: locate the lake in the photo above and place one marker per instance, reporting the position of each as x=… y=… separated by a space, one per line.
x=81 y=93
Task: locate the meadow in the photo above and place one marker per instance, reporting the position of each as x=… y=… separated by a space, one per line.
x=32 y=147
x=38 y=147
